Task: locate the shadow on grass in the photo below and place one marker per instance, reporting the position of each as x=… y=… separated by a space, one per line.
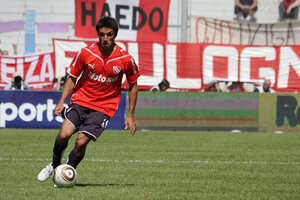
x=101 y=185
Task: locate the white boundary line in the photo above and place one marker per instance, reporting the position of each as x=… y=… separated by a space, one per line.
x=166 y=161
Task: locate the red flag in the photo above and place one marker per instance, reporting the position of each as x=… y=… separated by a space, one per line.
x=139 y=20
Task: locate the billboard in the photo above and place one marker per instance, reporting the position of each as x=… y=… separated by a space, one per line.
x=197 y=111
x=279 y=112
x=34 y=109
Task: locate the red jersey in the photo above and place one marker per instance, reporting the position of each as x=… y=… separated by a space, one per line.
x=287 y=3
x=99 y=79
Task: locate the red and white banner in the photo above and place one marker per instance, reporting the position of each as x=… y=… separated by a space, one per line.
x=188 y=67
x=37 y=70
x=253 y=64
x=214 y=31
x=194 y=67
x=139 y=20
x=149 y=57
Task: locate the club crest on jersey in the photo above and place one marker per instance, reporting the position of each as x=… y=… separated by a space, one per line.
x=116 y=69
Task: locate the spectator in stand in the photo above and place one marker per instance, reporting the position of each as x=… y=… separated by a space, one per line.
x=265 y=88
x=162 y=86
x=218 y=86
x=212 y=88
x=245 y=10
x=248 y=87
x=235 y=87
x=58 y=83
x=288 y=9
x=17 y=83
x=222 y=86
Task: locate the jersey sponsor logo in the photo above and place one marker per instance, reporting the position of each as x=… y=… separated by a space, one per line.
x=102 y=78
x=116 y=69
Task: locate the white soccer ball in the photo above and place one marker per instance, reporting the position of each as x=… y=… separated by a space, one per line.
x=65 y=176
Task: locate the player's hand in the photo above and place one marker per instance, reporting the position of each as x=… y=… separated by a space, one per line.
x=244 y=7
x=288 y=10
x=58 y=109
x=129 y=122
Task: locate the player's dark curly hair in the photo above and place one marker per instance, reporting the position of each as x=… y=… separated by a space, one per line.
x=107 y=22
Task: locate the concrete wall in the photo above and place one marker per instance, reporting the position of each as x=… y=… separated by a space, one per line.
x=224 y=9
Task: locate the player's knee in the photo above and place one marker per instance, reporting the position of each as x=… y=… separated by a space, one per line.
x=81 y=141
x=62 y=139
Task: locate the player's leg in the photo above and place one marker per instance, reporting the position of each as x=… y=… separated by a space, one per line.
x=94 y=124
x=238 y=12
x=251 y=14
x=61 y=143
x=282 y=11
x=294 y=13
x=78 y=152
x=72 y=119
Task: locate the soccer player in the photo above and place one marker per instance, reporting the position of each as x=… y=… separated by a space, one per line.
x=95 y=78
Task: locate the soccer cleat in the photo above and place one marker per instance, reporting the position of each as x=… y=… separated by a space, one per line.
x=45 y=173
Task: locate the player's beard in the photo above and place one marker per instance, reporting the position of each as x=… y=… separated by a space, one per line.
x=107 y=47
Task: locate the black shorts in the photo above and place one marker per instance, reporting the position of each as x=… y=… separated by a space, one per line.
x=245 y=12
x=86 y=120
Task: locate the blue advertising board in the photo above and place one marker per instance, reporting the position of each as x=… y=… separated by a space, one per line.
x=34 y=109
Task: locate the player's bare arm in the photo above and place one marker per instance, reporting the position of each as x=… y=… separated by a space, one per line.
x=68 y=88
x=129 y=121
x=253 y=5
x=238 y=3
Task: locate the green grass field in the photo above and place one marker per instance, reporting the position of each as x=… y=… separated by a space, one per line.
x=157 y=165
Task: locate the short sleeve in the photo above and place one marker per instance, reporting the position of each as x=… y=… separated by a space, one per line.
x=132 y=71
x=76 y=66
